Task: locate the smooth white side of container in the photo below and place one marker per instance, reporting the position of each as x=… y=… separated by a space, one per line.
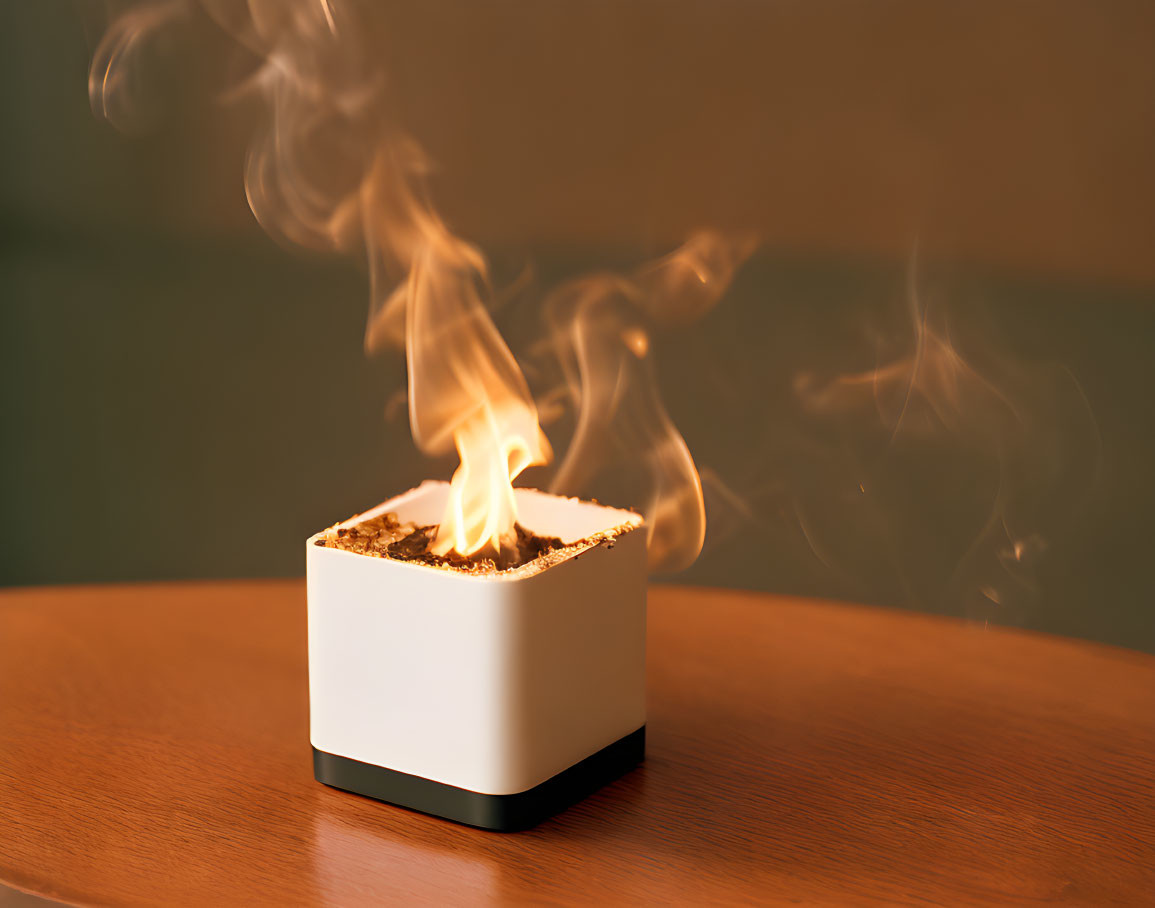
x=486 y=683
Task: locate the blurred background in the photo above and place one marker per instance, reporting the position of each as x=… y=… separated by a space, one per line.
x=930 y=388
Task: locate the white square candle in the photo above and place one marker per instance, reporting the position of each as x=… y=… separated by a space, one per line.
x=494 y=699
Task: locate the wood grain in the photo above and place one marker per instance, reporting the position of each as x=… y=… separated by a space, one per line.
x=155 y=750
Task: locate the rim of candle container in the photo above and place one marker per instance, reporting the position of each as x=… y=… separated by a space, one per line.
x=630 y=521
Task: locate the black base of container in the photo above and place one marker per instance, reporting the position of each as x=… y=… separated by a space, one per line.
x=503 y=813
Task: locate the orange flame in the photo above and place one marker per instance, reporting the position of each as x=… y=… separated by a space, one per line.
x=466 y=388
x=331 y=168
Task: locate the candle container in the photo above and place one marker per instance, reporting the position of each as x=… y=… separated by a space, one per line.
x=494 y=700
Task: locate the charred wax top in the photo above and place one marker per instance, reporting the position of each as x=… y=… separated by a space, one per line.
x=385 y=536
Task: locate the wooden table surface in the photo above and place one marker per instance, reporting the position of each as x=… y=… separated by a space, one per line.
x=154 y=749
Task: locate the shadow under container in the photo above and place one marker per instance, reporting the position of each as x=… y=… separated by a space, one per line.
x=494 y=700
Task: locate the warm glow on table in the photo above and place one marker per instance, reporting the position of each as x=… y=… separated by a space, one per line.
x=155 y=748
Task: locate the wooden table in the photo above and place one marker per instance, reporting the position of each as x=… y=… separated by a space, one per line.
x=154 y=748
